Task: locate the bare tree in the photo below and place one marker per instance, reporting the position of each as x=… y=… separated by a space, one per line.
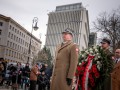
x=44 y=56
x=109 y=23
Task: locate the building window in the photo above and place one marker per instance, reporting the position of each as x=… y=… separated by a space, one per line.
x=9 y=52
x=67 y=8
x=1 y=23
x=74 y=7
x=13 y=28
x=23 y=42
x=6 y=52
x=0 y=32
x=12 y=54
x=18 y=47
x=18 y=32
x=71 y=7
x=8 y=43
x=22 y=34
x=13 y=45
x=10 y=26
x=12 y=36
x=17 y=39
x=9 y=35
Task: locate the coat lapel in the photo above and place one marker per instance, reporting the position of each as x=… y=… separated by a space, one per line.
x=63 y=46
x=118 y=64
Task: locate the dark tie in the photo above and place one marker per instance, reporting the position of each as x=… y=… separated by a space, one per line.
x=116 y=60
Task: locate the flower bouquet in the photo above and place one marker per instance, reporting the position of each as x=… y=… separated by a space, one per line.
x=92 y=70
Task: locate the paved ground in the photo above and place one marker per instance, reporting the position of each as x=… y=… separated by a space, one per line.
x=7 y=88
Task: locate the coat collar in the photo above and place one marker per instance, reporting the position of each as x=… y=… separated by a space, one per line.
x=117 y=64
x=63 y=46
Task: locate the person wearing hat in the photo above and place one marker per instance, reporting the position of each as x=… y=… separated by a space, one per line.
x=66 y=60
x=105 y=44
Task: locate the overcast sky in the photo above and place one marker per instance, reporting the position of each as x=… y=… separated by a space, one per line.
x=23 y=11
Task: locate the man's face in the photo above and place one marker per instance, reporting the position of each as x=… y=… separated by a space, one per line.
x=46 y=65
x=117 y=53
x=104 y=45
x=66 y=36
x=27 y=64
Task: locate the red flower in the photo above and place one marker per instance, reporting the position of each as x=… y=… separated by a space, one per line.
x=90 y=71
x=97 y=75
x=78 y=68
x=91 y=80
x=92 y=84
x=94 y=68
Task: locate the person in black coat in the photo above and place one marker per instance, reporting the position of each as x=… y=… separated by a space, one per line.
x=26 y=75
x=4 y=70
x=42 y=81
x=13 y=70
x=48 y=73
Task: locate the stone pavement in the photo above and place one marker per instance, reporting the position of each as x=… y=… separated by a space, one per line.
x=7 y=88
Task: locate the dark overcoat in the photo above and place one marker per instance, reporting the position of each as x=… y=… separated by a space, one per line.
x=65 y=66
x=115 y=77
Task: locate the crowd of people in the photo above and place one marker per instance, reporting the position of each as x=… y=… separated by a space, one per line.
x=19 y=76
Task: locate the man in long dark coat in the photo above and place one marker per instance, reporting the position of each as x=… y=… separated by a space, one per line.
x=65 y=63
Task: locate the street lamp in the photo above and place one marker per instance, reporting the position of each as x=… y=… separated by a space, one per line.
x=34 y=27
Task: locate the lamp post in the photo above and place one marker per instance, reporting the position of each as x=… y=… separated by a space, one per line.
x=34 y=27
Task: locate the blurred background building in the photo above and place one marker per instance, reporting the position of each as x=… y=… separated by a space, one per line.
x=92 y=39
x=73 y=16
x=15 y=41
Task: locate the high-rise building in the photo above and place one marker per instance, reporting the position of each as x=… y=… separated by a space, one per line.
x=73 y=16
x=15 y=41
x=92 y=39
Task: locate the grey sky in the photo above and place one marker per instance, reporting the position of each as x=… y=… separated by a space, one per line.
x=23 y=11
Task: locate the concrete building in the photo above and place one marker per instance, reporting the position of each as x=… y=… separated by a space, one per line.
x=15 y=41
x=73 y=16
x=92 y=39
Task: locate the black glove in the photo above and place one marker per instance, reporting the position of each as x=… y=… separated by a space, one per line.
x=69 y=81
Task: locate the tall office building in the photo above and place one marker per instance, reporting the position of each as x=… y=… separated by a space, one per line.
x=73 y=16
x=15 y=41
x=92 y=39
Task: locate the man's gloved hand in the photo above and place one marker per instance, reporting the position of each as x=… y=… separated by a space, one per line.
x=69 y=81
